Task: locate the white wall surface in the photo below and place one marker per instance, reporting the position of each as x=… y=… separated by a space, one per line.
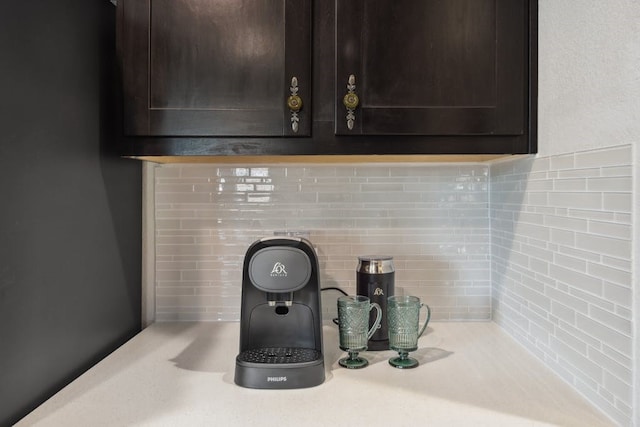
x=589 y=74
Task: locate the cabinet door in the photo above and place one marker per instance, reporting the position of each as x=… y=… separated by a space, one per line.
x=215 y=67
x=432 y=67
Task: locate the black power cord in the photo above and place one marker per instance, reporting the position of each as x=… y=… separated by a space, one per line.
x=335 y=289
x=332 y=288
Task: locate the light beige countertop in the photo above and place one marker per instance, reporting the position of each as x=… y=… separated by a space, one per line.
x=181 y=374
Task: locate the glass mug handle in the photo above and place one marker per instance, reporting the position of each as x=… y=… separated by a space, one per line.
x=426 y=321
x=376 y=324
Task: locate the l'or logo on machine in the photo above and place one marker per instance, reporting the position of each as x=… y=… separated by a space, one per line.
x=278 y=270
x=378 y=291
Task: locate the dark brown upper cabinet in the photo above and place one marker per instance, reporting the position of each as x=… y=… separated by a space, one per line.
x=431 y=67
x=216 y=67
x=227 y=77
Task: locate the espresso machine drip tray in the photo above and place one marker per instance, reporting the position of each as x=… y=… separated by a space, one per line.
x=279 y=355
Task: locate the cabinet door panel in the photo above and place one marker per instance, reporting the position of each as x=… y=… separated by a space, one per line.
x=215 y=67
x=432 y=67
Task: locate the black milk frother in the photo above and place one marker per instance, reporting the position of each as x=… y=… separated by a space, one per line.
x=375 y=278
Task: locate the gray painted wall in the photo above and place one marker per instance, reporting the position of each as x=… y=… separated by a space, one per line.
x=69 y=211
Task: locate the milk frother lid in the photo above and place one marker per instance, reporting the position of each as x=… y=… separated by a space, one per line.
x=375 y=264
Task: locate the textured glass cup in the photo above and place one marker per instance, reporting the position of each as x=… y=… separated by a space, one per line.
x=403 y=317
x=353 y=318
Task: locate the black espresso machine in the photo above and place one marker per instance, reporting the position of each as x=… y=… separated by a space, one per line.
x=280 y=316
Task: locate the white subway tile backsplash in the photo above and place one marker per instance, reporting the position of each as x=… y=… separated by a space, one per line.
x=610 y=364
x=617 y=202
x=609 y=274
x=569 y=340
x=564 y=222
x=575 y=173
x=563 y=312
x=585 y=200
x=600 y=183
x=618 y=248
x=570 y=262
x=433 y=219
x=610 y=229
x=604 y=333
x=592 y=299
x=624 y=171
x=615 y=156
x=620 y=295
x=560 y=162
x=562 y=237
x=575 y=279
x=569 y=328
x=568 y=184
x=619 y=388
x=579 y=200
x=610 y=319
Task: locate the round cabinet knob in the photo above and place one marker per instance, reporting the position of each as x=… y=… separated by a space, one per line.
x=351 y=101
x=294 y=102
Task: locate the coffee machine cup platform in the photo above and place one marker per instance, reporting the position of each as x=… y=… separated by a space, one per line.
x=280 y=316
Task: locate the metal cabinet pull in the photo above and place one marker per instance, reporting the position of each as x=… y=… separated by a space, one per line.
x=351 y=101
x=294 y=103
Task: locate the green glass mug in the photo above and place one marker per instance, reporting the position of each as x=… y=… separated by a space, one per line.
x=353 y=322
x=403 y=317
